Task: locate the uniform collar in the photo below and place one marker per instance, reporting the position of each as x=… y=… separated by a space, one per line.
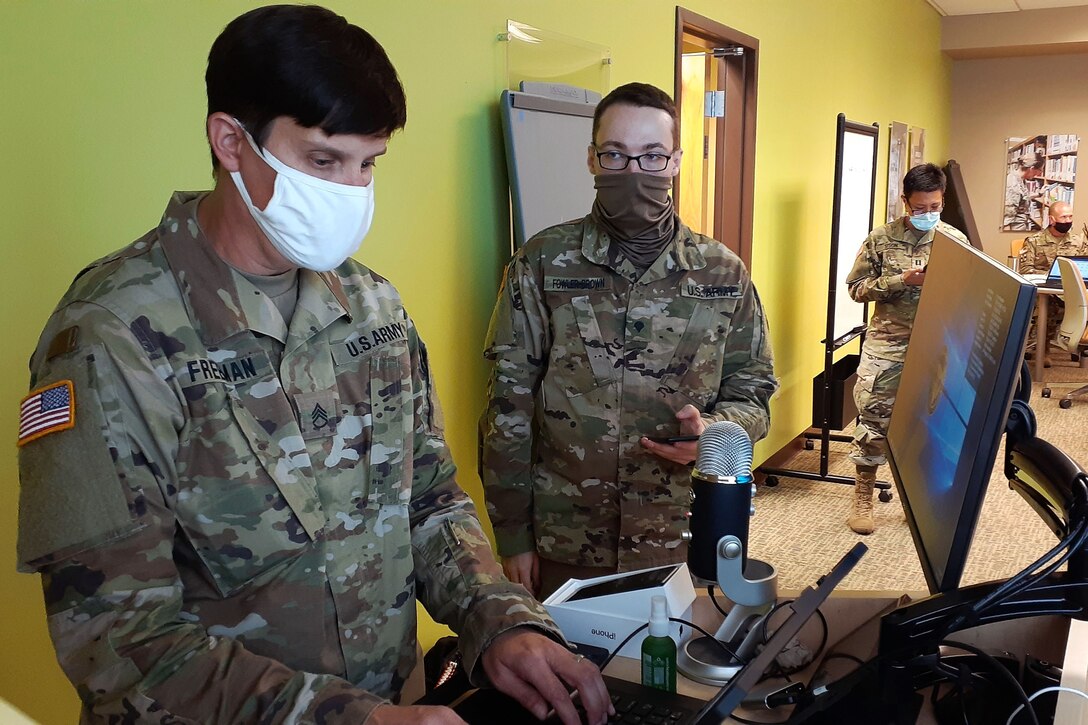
x=221 y=302
x=682 y=253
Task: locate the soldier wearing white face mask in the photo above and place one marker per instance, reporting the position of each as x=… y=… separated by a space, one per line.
x=314 y=223
x=234 y=477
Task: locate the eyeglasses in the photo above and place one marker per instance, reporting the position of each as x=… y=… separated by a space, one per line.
x=920 y=212
x=615 y=161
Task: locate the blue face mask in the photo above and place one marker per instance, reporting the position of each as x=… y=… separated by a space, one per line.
x=925 y=222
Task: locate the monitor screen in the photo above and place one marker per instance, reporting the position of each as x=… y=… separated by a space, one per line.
x=961 y=368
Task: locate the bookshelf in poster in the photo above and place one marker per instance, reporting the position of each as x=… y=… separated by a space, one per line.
x=1057 y=183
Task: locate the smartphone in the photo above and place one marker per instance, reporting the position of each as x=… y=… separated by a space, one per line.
x=673 y=439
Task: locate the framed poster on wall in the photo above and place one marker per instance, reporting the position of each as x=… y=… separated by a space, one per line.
x=917 y=147
x=897 y=153
x=1040 y=170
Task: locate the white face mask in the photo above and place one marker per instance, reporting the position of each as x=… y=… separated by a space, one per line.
x=315 y=224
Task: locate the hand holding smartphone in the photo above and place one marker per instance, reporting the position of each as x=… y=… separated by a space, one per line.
x=673 y=439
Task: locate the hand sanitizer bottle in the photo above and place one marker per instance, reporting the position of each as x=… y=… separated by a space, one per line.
x=658 y=649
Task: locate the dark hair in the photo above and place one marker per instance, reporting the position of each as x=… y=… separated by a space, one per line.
x=308 y=63
x=641 y=95
x=923 y=177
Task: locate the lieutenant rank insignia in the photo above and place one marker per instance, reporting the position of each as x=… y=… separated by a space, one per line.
x=47 y=410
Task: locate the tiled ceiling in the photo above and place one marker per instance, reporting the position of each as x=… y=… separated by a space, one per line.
x=974 y=7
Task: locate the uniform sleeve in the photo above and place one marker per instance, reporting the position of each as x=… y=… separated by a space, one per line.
x=517 y=347
x=113 y=593
x=748 y=380
x=867 y=282
x=459 y=581
x=1030 y=259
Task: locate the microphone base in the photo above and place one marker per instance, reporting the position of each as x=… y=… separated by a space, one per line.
x=753 y=592
x=703 y=660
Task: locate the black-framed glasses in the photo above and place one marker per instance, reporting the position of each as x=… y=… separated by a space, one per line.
x=615 y=161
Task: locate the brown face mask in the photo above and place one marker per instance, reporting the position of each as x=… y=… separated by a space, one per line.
x=636 y=212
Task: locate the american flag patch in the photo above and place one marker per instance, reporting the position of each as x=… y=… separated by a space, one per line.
x=47 y=410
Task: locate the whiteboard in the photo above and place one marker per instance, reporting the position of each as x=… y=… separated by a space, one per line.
x=546 y=145
x=855 y=190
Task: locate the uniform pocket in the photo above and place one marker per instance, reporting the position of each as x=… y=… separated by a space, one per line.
x=581 y=357
x=242 y=500
x=696 y=366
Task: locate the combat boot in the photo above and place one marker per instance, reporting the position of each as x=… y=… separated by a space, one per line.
x=861 y=519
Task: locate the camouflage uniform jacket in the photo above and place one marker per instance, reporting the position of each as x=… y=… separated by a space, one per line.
x=877 y=276
x=1042 y=248
x=238 y=525
x=589 y=355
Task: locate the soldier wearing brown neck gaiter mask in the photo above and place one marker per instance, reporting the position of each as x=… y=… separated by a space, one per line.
x=636 y=212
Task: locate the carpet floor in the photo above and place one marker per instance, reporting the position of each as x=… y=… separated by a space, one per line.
x=800 y=526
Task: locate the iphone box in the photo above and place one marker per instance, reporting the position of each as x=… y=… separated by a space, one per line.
x=604 y=610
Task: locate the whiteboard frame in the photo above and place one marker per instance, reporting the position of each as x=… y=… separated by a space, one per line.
x=836 y=335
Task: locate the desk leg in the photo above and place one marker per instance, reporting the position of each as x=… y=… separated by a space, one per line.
x=1041 y=343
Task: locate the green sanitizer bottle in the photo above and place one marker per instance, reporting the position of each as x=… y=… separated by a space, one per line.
x=658 y=649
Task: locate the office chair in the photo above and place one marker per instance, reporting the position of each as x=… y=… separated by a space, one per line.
x=1073 y=333
x=1015 y=247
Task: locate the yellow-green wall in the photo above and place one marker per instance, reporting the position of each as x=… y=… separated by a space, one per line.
x=101 y=116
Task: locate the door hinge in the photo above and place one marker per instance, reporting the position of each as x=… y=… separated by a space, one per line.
x=714 y=105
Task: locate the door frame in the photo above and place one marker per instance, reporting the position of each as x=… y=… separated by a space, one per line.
x=734 y=182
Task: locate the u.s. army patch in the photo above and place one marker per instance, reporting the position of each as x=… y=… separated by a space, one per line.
x=47 y=410
x=689 y=288
x=368 y=341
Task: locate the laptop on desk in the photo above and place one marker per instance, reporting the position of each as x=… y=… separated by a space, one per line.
x=635 y=702
x=1053 y=279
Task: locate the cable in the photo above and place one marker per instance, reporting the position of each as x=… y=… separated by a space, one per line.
x=784 y=672
x=694 y=626
x=628 y=638
x=844 y=656
x=1027 y=578
x=1000 y=592
x=714 y=601
x=1040 y=692
x=1079 y=538
x=989 y=659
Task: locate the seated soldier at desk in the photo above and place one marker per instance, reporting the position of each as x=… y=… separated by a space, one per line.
x=1042 y=248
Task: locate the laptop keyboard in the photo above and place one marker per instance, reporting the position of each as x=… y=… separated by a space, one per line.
x=630 y=711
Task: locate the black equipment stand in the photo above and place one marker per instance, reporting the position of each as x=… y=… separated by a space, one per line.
x=830 y=342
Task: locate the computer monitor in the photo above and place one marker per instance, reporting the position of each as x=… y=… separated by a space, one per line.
x=957 y=209
x=961 y=368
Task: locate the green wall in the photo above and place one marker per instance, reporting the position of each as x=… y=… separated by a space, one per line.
x=102 y=109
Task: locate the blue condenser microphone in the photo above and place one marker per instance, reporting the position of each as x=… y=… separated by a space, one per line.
x=721 y=492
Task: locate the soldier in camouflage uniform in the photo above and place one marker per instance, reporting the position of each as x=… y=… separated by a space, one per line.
x=1018 y=197
x=233 y=487
x=889 y=271
x=622 y=325
x=1042 y=248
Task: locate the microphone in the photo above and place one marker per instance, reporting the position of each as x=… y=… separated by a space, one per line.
x=721 y=491
x=721 y=502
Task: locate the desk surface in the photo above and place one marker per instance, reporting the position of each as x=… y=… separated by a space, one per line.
x=853 y=619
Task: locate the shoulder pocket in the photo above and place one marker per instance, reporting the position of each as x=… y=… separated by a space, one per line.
x=71 y=495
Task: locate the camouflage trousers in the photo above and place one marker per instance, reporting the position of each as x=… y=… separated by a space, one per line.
x=874 y=394
x=1055 y=313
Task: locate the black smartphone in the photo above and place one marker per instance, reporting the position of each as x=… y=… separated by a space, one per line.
x=631 y=583
x=673 y=439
